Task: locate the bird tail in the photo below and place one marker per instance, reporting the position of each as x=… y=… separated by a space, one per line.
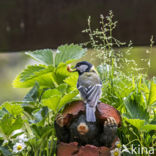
x=90 y=113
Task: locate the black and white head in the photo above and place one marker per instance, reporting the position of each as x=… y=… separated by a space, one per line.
x=83 y=66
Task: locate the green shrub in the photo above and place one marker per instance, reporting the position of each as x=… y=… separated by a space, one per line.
x=125 y=85
x=33 y=118
x=27 y=127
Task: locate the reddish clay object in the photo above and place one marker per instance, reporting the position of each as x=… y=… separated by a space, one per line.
x=65 y=149
x=72 y=149
x=104 y=151
x=72 y=110
x=103 y=112
x=88 y=150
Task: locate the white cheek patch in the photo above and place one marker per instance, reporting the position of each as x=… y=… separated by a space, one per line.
x=83 y=68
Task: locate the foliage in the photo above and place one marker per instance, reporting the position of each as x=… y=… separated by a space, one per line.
x=62 y=54
x=125 y=84
x=52 y=86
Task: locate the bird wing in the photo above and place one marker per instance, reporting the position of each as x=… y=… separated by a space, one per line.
x=83 y=91
x=93 y=94
x=89 y=86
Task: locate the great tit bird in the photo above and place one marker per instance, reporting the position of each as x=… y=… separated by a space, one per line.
x=89 y=86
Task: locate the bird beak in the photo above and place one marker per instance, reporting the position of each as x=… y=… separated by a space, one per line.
x=71 y=69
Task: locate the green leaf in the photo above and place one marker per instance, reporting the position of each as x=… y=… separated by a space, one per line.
x=5 y=151
x=153 y=121
x=62 y=88
x=52 y=102
x=136 y=123
x=3 y=111
x=68 y=98
x=30 y=71
x=8 y=124
x=32 y=74
x=44 y=56
x=149 y=127
x=62 y=54
x=40 y=115
x=72 y=80
x=51 y=99
x=12 y=108
x=32 y=95
x=69 y=52
x=40 y=131
x=54 y=99
x=61 y=72
x=152 y=94
x=50 y=92
x=140 y=124
x=134 y=105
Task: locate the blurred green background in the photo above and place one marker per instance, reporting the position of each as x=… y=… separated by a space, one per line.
x=10 y=65
x=13 y=63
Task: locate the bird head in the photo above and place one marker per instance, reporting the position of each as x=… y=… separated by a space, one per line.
x=81 y=67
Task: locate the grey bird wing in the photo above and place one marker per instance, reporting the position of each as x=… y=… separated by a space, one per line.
x=83 y=91
x=89 y=86
x=93 y=94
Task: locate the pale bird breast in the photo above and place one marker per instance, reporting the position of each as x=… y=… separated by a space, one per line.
x=89 y=78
